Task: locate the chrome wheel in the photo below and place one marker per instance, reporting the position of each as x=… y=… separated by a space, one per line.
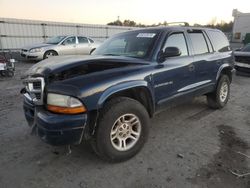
x=49 y=54
x=223 y=92
x=125 y=132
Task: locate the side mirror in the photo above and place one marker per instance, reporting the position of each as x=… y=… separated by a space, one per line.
x=171 y=52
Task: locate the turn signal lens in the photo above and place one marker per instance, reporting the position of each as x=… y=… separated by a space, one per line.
x=66 y=110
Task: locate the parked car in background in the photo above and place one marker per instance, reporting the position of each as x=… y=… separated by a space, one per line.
x=246 y=39
x=60 y=45
x=242 y=59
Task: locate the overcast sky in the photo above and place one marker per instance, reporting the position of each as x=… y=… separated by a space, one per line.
x=141 y=11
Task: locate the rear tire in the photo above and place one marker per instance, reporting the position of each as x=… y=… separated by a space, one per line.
x=218 y=99
x=3 y=73
x=122 y=129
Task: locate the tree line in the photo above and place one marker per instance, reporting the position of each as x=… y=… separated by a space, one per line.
x=223 y=26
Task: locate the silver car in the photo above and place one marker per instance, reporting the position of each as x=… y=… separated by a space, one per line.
x=60 y=45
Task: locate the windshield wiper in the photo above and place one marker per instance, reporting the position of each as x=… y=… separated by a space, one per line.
x=112 y=54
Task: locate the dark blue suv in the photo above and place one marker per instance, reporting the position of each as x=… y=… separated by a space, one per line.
x=108 y=97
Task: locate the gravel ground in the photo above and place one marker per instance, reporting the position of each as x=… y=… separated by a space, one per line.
x=189 y=146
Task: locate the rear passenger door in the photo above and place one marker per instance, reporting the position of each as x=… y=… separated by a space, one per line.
x=205 y=61
x=83 y=46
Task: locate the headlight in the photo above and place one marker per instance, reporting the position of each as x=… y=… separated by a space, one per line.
x=64 y=104
x=35 y=50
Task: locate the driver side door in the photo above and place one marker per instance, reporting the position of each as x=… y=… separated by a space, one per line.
x=174 y=76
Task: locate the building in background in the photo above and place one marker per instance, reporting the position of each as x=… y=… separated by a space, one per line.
x=241 y=25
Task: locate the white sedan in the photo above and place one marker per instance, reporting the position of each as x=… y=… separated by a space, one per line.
x=60 y=45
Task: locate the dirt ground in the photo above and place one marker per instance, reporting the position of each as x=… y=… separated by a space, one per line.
x=189 y=146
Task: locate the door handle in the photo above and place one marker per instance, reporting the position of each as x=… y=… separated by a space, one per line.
x=191 y=67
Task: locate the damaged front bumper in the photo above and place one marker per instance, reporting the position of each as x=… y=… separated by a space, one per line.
x=55 y=129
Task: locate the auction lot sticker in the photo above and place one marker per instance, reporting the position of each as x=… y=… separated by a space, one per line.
x=146 y=35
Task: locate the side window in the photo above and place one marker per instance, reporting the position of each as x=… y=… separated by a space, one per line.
x=199 y=43
x=177 y=40
x=70 y=40
x=246 y=48
x=219 y=41
x=82 y=40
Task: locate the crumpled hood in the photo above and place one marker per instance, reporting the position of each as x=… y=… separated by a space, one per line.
x=63 y=67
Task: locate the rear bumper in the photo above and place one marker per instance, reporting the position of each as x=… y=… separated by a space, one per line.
x=55 y=129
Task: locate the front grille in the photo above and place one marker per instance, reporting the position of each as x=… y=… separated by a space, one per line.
x=242 y=59
x=35 y=87
x=24 y=50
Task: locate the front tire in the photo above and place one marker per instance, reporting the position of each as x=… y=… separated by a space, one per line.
x=49 y=53
x=122 y=129
x=219 y=98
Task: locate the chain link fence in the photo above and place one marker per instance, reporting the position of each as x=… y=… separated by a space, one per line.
x=16 y=33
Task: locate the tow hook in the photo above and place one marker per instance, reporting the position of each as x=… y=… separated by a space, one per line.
x=23 y=91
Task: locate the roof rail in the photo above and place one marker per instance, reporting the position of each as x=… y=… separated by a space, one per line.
x=176 y=23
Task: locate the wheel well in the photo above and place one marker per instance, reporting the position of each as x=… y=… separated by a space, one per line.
x=92 y=50
x=50 y=51
x=140 y=94
x=227 y=71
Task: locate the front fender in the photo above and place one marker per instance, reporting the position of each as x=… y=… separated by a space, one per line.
x=122 y=87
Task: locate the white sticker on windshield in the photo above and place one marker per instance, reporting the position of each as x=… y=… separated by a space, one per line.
x=146 y=35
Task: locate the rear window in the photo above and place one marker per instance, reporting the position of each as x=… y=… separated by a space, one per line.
x=246 y=48
x=199 y=43
x=82 y=40
x=91 y=41
x=219 y=41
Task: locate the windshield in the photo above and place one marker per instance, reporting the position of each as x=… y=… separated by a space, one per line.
x=55 y=40
x=246 y=48
x=132 y=44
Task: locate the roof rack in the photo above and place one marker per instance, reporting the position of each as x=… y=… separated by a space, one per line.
x=176 y=23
